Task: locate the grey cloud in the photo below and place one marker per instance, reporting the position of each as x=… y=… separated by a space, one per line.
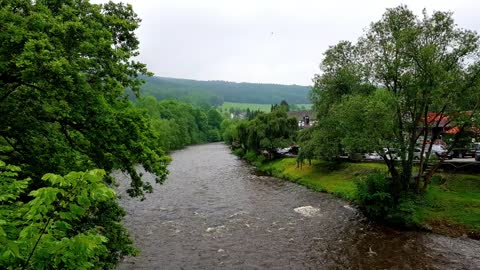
x=233 y=40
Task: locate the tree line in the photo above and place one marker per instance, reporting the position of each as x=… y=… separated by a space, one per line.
x=179 y=124
x=214 y=93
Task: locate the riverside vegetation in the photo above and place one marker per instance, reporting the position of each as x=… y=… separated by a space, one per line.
x=450 y=206
x=377 y=94
x=66 y=123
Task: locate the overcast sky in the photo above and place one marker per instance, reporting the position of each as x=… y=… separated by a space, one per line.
x=267 y=41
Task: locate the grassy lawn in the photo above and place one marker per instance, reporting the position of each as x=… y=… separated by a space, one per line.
x=254 y=107
x=243 y=106
x=450 y=206
x=323 y=176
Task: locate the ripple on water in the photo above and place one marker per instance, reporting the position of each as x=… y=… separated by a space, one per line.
x=308 y=211
x=213 y=212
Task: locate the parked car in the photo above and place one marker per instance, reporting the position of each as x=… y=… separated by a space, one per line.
x=440 y=151
x=467 y=151
x=394 y=153
x=372 y=156
x=417 y=153
x=391 y=153
x=477 y=152
x=283 y=151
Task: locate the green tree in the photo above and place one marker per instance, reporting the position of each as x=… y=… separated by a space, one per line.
x=341 y=75
x=178 y=124
x=214 y=118
x=307 y=146
x=420 y=66
x=64 y=67
x=44 y=232
x=265 y=131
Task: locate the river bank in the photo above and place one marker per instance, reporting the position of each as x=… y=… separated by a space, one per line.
x=451 y=205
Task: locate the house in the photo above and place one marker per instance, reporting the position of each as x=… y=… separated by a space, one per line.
x=304 y=118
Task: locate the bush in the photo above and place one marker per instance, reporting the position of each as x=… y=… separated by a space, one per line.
x=250 y=156
x=213 y=135
x=254 y=158
x=239 y=152
x=403 y=214
x=374 y=196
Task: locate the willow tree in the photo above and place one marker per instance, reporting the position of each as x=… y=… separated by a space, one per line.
x=421 y=66
x=265 y=131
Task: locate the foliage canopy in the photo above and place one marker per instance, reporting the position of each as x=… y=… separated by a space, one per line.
x=377 y=93
x=50 y=230
x=64 y=67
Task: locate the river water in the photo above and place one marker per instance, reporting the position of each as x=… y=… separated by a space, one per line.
x=214 y=212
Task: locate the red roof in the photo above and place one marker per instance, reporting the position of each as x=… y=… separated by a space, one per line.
x=453 y=130
x=434 y=118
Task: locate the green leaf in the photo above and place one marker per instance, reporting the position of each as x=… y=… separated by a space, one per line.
x=76 y=210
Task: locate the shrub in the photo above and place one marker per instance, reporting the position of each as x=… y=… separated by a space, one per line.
x=374 y=196
x=250 y=156
x=239 y=152
x=403 y=214
x=254 y=158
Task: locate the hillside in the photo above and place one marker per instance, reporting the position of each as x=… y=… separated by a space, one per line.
x=216 y=92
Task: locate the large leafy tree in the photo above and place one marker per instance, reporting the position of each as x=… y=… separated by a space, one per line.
x=422 y=66
x=264 y=132
x=56 y=229
x=64 y=68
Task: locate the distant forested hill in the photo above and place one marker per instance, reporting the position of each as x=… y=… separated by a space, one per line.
x=216 y=92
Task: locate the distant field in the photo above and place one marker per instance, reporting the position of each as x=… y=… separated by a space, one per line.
x=306 y=106
x=254 y=107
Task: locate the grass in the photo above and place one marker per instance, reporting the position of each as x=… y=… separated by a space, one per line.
x=323 y=176
x=243 y=106
x=254 y=107
x=450 y=206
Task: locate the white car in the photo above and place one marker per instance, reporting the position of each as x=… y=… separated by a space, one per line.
x=372 y=156
x=439 y=151
x=417 y=153
x=391 y=153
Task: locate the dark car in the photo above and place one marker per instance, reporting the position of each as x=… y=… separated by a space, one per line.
x=467 y=151
x=477 y=152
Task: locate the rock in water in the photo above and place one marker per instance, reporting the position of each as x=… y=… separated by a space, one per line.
x=307 y=211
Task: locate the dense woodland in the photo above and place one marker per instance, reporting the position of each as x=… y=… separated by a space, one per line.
x=214 y=93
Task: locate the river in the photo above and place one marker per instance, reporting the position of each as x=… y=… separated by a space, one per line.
x=214 y=212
